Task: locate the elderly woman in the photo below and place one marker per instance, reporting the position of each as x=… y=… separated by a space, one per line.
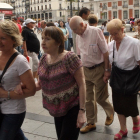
x=61 y=79
x=124 y=55
x=13 y=107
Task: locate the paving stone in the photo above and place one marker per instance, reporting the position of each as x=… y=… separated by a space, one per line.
x=47 y=130
x=35 y=137
x=31 y=125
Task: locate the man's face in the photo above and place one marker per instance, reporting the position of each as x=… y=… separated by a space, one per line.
x=42 y=25
x=85 y=16
x=68 y=20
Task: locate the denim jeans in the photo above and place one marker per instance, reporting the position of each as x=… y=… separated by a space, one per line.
x=66 y=45
x=10 y=126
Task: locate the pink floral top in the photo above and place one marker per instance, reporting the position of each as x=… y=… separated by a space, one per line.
x=59 y=88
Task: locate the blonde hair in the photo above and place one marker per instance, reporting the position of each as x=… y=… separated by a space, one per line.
x=114 y=24
x=11 y=29
x=92 y=19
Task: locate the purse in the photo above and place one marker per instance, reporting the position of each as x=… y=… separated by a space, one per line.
x=5 y=69
x=126 y=82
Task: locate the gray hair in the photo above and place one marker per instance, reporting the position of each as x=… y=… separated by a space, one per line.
x=11 y=29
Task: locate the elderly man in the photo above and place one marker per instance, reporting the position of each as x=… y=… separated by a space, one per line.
x=31 y=44
x=92 y=47
x=43 y=24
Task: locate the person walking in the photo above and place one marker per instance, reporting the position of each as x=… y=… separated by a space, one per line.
x=31 y=44
x=70 y=40
x=13 y=105
x=124 y=56
x=106 y=33
x=92 y=48
x=61 y=79
x=65 y=32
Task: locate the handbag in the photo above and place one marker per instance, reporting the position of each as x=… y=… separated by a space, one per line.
x=126 y=82
x=5 y=69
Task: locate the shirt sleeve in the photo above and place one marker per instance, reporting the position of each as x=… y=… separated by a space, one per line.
x=102 y=44
x=23 y=65
x=25 y=35
x=137 y=51
x=73 y=63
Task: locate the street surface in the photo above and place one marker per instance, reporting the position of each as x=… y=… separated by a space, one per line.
x=39 y=125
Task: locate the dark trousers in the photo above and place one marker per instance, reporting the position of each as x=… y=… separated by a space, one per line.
x=10 y=126
x=66 y=128
x=70 y=43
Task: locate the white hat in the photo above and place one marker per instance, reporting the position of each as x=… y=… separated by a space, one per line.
x=23 y=24
x=29 y=20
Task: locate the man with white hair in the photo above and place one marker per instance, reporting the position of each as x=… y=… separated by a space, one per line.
x=92 y=47
x=43 y=24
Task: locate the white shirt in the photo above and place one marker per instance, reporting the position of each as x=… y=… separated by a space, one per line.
x=9 y=81
x=105 y=28
x=128 y=54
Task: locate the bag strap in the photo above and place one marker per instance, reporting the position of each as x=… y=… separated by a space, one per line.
x=113 y=50
x=8 y=64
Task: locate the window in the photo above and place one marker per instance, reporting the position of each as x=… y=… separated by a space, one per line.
x=136 y=1
x=49 y=6
x=31 y=8
x=45 y=6
x=42 y=7
x=125 y=15
x=114 y=14
x=60 y=14
x=136 y=13
x=38 y=8
x=105 y=15
x=68 y=7
x=45 y=0
x=60 y=6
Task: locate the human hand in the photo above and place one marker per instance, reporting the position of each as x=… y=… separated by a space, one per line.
x=81 y=119
x=106 y=76
x=19 y=89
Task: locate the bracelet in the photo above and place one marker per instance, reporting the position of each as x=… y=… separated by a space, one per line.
x=82 y=109
x=8 y=94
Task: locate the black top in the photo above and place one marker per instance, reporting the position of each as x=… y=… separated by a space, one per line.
x=32 y=42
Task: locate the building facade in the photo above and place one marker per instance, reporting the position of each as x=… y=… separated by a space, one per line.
x=53 y=10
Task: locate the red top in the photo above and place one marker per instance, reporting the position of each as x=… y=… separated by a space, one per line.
x=19 y=26
x=39 y=24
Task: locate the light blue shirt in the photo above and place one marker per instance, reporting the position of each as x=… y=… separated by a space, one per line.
x=69 y=29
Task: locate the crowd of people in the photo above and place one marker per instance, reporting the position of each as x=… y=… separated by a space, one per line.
x=72 y=83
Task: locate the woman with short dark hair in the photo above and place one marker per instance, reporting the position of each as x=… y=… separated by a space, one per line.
x=61 y=79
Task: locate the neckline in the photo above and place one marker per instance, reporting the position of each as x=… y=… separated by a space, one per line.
x=57 y=61
x=11 y=65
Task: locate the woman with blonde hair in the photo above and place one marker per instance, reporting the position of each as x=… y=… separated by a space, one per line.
x=124 y=56
x=12 y=105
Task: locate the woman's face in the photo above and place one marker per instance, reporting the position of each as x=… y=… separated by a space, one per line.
x=116 y=34
x=61 y=24
x=49 y=45
x=6 y=42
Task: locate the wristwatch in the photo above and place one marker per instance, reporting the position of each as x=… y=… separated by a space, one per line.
x=82 y=109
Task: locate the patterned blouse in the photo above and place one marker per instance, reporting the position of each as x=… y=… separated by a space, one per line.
x=59 y=88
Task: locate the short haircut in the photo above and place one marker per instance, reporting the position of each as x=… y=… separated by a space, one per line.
x=48 y=24
x=11 y=29
x=92 y=19
x=84 y=10
x=63 y=23
x=115 y=24
x=56 y=34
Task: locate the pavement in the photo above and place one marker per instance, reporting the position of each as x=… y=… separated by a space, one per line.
x=39 y=125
